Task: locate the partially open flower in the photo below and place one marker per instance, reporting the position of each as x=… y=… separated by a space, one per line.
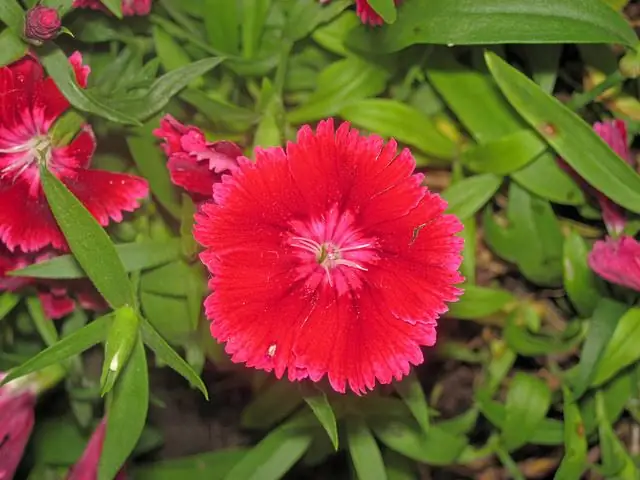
x=329 y=258
x=41 y=23
x=617 y=261
x=87 y=467
x=195 y=164
x=17 y=403
x=366 y=12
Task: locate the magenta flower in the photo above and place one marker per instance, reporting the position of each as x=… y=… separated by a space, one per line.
x=17 y=402
x=617 y=261
x=367 y=14
x=195 y=164
x=129 y=7
x=87 y=467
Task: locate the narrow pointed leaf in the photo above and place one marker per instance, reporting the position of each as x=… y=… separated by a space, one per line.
x=44 y=325
x=574 y=461
x=8 y=302
x=572 y=138
x=364 y=451
x=411 y=392
x=126 y=414
x=324 y=413
x=73 y=344
x=168 y=355
x=134 y=256
x=89 y=243
x=12 y=48
x=469 y=195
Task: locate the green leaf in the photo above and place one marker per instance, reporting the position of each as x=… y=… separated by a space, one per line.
x=411 y=392
x=622 y=350
x=548 y=432
x=169 y=315
x=152 y=164
x=332 y=36
x=324 y=413
x=469 y=235
x=303 y=16
x=12 y=15
x=222 y=22
x=134 y=256
x=579 y=279
x=479 y=22
x=528 y=401
x=165 y=88
x=126 y=414
x=574 y=461
x=397 y=466
x=531 y=217
x=67 y=127
x=364 y=451
x=169 y=356
x=544 y=178
x=569 y=135
x=220 y=112
x=391 y=118
x=122 y=336
x=544 y=61
x=522 y=340
x=479 y=302
x=616 y=395
x=271 y=405
x=469 y=195
x=204 y=466
x=385 y=8
x=73 y=344
x=57 y=66
x=472 y=97
x=12 y=48
x=602 y=326
x=616 y=462
x=505 y=155
x=437 y=447
x=255 y=13
x=171 y=54
x=343 y=82
x=277 y=452
x=89 y=243
x=114 y=6
x=8 y=301
x=44 y=325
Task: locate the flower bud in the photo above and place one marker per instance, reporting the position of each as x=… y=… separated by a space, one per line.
x=42 y=23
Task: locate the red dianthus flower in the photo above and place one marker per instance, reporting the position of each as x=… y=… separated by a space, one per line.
x=329 y=258
x=31 y=103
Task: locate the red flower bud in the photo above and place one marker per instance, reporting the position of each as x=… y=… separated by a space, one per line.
x=42 y=23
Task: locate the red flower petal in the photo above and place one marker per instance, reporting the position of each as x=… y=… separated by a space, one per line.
x=12 y=261
x=77 y=154
x=194 y=177
x=56 y=303
x=26 y=221
x=614 y=133
x=107 y=194
x=617 y=261
x=329 y=259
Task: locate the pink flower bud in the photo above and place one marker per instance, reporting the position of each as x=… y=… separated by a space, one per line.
x=42 y=23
